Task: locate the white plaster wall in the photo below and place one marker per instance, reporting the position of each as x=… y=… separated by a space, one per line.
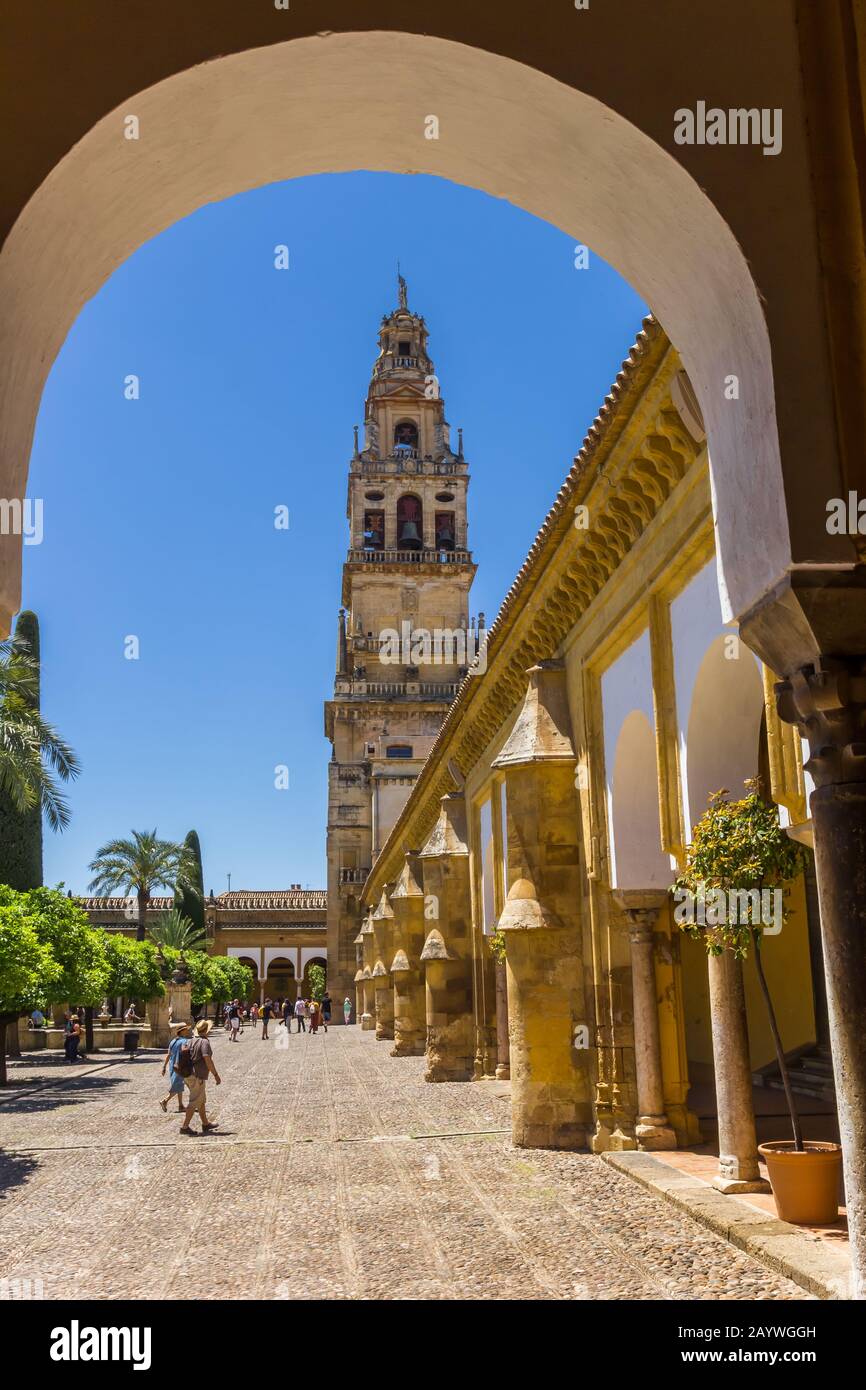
x=248 y=953
x=731 y=701
x=634 y=832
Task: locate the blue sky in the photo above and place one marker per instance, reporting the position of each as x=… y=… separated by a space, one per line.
x=158 y=512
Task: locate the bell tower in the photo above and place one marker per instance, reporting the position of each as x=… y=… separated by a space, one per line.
x=404 y=637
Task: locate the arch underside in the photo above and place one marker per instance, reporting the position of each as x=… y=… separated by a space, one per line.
x=316 y=105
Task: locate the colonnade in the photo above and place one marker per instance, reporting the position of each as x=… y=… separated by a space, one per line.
x=585 y=1039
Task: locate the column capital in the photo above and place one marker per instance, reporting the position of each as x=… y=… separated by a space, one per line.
x=641 y=904
x=827 y=702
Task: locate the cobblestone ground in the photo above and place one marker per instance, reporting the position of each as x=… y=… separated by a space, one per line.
x=417 y=1185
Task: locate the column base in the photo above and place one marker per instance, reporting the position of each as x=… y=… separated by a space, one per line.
x=440 y=1071
x=685 y=1124
x=384 y=1033
x=739 y=1175
x=653 y=1132
x=408 y=1047
x=367 y=1022
x=731 y=1186
x=543 y=1136
x=503 y=1072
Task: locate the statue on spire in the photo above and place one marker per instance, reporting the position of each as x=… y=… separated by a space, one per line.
x=401 y=289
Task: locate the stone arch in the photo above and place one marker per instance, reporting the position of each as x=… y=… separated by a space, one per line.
x=280 y=980
x=272 y=113
x=317 y=959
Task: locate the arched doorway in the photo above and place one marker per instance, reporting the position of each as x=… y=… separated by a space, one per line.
x=321 y=965
x=281 y=982
x=252 y=966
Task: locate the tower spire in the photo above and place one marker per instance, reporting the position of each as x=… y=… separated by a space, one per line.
x=402 y=292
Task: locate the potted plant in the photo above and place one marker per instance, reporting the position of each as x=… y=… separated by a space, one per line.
x=732 y=890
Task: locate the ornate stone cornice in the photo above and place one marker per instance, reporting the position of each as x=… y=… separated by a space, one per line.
x=634 y=456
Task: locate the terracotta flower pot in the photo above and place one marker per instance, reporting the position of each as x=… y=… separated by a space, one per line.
x=805 y=1185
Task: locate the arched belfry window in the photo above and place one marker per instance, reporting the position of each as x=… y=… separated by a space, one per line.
x=445 y=531
x=406 y=438
x=410 y=523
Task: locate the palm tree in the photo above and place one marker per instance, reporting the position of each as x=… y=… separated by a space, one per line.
x=173 y=929
x=138 y=866
x=32 y=754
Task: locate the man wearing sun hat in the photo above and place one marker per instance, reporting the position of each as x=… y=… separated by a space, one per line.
x=201 y=1056
x=181 y=1033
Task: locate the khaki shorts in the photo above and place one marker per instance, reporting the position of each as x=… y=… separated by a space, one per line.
x=197 y=1090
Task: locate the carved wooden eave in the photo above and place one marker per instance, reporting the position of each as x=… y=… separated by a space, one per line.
x=635 y=454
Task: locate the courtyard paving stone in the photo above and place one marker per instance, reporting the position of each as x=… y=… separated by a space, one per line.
x=315 y=1188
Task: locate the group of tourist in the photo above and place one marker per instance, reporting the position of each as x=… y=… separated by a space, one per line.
x=313 y=1011
x=189 y=1058
x=189 y=1061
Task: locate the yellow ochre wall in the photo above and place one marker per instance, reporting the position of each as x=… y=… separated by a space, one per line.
x=789 y=976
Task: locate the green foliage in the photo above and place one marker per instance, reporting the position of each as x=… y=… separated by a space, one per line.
x=189 y=889
x=28 y=971
x=34 y=759
x=21 y=831
x=139 y=866
x=77 y=949
x=134 y=968
x=317 y=980
x=496 y=942
x=737 y=845
x=173 y=929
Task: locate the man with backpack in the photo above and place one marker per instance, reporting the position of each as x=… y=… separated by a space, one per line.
x=195 y=1062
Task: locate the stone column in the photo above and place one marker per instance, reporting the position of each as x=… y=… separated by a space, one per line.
x=641 y=908
x=179 y=995
x=410 y=1008
x=368 y=994
x=447 y=953
x=738 y=1145
x=550 y=1077
x=382 y=920
x=503 y=1067
x=828 y=703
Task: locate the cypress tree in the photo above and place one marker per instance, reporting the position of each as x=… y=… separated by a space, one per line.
x=21 y=831
x=189 y=895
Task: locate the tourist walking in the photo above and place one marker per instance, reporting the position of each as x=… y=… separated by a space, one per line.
x=313 y=1012
x=347 y=1010
x=72 y=1038
x=326 y=1010
x=254 y=1014
x=301 y=1014
x=182 y=1034
x=202 y=1063
x=234 y=1019
x=267 y=1010
x=287 y=1015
